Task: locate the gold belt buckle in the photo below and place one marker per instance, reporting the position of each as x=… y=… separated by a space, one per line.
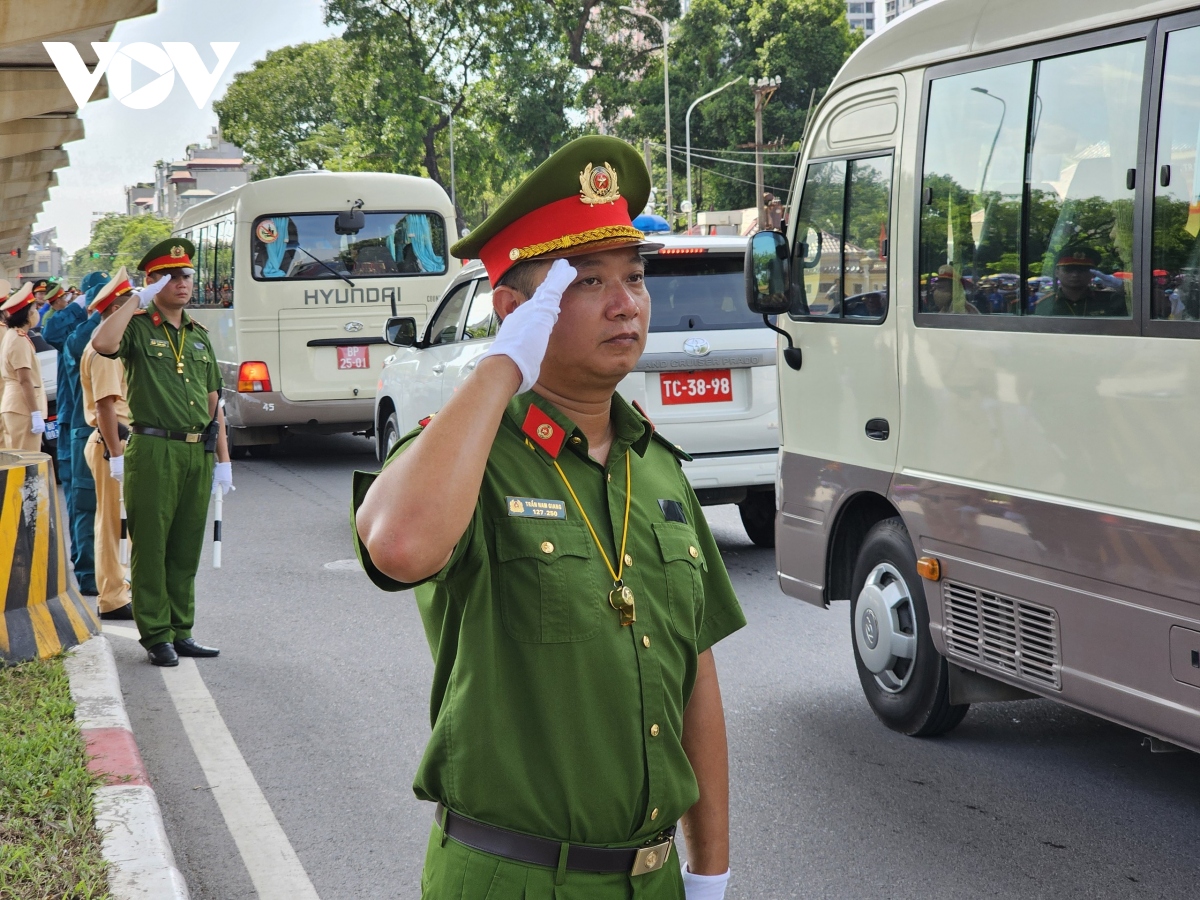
x=652 y=858
x=193 y=438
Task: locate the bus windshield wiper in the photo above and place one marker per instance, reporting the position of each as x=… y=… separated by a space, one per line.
x=295 y=246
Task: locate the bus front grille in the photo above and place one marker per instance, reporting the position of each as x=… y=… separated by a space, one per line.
x=1011 y=636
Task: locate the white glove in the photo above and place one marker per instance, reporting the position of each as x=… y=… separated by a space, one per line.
x=704 y=887
x=525 y=332
x=223 y=478
x=150 y=291
x=116 y=467
x=39 y=424
x=81 y=301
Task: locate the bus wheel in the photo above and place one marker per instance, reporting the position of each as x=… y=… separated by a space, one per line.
x=905 y=680
x=236 y=451
x=758 y=517
x=391 y=436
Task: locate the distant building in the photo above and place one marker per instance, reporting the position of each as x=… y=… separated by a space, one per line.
x=44 y=257
x=896 y=8
x=861 y=14
x=207 y=170
x=139 y=198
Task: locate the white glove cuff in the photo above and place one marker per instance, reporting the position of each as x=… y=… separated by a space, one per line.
x=704 y=887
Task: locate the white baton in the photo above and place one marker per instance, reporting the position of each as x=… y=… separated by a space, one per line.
x=124 y=551
x=217 y=528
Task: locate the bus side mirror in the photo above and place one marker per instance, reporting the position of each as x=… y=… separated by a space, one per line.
x=768 y=276
x=401 y=331
x=350 y=221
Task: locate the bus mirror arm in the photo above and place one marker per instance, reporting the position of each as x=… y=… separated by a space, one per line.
x=791 y=353
x=293 y=245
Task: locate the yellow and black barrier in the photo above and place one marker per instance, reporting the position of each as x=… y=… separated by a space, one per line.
x=41 y=614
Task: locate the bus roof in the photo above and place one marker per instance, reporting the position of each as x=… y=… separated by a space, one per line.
x=321 y=191
x=952 y=29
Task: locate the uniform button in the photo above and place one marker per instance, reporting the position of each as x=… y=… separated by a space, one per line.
x=191 y=403
x=187 y=381
x=693 y=552
x=547 y=547
x=654 y=814
x=654 y=730
x=160 y=353
x=576 y=440
x=628 y=560
x=609 y=476
x=646 y=640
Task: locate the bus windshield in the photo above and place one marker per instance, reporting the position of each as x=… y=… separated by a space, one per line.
x=390 y=244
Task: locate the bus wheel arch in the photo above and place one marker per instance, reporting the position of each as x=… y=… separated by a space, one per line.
x=857 y=515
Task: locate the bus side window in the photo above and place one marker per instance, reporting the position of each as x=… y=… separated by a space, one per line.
x=819 y=238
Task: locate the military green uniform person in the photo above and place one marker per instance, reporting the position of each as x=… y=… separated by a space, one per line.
x=570 y=588
x=1075 y=295
x=167 y=469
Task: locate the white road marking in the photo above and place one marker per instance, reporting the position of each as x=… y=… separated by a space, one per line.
x=344 y=565
x=274 y=868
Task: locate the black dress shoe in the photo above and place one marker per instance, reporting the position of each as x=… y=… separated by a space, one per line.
x=121 y=612
x=163 y=655
x=189 y=647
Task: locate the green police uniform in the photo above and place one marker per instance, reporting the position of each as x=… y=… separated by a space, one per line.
x=170 y=373
x=549 y=717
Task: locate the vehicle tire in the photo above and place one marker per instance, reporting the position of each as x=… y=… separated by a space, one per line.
x=391 y=436
x=905 y=680
x=236 y=451
x=758 y=517
x=260 y=451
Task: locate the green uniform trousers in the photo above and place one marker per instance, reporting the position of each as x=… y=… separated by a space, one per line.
x=454 y=871
x=167 y=486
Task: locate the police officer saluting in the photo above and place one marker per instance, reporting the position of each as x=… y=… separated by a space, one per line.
x=177 y=423
x=23 y=404
x=570 y=588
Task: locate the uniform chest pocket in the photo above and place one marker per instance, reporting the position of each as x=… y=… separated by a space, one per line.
x=683 y=563
x=199 y=353
x=545 y=588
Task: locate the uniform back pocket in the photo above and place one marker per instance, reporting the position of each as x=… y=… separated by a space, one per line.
x=547 y=594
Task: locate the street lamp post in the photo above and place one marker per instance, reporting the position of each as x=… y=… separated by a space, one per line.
x=764 y=88
x=1003 y=112
x=687 y=120
x=450 y=115
x=666 y=35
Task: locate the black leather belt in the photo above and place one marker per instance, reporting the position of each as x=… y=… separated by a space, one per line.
x=169 y=435
x=543 y=852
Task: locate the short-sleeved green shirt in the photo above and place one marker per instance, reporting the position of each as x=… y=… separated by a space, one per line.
x=159 y=396
x=549 y=717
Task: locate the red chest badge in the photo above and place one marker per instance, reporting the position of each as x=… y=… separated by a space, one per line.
x=543 y=431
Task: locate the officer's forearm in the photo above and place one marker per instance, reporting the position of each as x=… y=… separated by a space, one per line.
x=421 y=504
x=107 y=339
x=706 y=824
x=107 y=422
x=222 y=440
x=25 y=381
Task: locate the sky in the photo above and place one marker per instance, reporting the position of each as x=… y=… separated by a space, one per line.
x=121 y=145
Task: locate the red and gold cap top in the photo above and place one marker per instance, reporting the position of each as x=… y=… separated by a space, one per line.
x=22 y=298
x=173 y=253
x=580 y=200
x=5 y=290
x=54 y=291
x=118 y=286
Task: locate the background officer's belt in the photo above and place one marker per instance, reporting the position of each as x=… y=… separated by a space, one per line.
x=543 y=852
x=186 y=437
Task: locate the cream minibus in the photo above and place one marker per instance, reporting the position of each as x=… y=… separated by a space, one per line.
x=295 y=278
x=990 y=419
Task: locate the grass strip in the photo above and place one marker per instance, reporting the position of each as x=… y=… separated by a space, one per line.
x=49 y=845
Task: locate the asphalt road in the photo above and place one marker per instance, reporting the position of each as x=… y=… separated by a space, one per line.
x=323 y=682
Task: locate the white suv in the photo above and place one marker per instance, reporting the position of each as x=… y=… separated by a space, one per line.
x=706 y=379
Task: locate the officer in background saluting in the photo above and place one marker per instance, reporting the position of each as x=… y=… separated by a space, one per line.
x=23 y=404
x=177 y=423
x=569 y=585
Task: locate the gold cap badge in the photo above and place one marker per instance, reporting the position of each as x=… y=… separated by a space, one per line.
x=598 y=184
x=177 y=252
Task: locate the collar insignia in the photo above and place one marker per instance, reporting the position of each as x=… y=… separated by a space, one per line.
x=598 y=184
x=156 y=318
x=543 y=431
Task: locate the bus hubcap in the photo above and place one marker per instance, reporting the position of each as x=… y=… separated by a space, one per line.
x=885 y=628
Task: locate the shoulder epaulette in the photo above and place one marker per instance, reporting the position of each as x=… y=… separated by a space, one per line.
x=425 y=421
x=198 y=325
x=139 y=312
x=680 y=453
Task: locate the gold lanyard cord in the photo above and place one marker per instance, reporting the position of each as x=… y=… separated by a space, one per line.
x=178 y=354
x=620 y=567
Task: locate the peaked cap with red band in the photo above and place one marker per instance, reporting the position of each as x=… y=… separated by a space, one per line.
x=1079 y=256
x=118 y=286
x=22 y=298
x=580 y=200
x=173 y=253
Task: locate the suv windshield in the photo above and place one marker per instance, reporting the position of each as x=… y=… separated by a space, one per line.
x=698 y=292
x=390 y=244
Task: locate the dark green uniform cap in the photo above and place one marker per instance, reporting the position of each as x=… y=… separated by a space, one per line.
x=173 y=253
x=580 y=200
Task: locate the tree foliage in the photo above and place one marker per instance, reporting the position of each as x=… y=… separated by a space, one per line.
x=119 y=240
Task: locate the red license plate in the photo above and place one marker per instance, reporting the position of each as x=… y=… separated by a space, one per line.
x=354 y=357
x=714 y=386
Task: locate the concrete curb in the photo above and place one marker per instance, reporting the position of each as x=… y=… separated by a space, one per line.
x=142 y=866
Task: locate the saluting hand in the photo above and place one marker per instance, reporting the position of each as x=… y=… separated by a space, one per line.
x=39 y=424
x=524 y=334
x=150 y=291
x=223 y=478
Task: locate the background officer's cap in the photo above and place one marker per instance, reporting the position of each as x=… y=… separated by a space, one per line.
x=5 y=290
x=173 y=253
x=93 y=280
x=118 y=286
x=580 y=200
x=55 y=288
x=1079 y=256
x=22 y=298
x=41 y=284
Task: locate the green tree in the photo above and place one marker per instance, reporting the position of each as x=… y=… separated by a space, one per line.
x=118 y=240
x=139 y=235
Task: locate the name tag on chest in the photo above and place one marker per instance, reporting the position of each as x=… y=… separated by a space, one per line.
x=534 y=508
x=154 y=342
